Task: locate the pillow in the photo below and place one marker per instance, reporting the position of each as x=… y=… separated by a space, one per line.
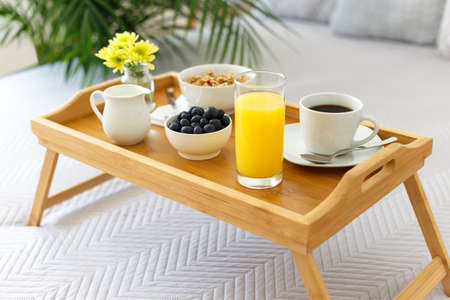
x=444 y=35
x=414 y=21
x=313 y=10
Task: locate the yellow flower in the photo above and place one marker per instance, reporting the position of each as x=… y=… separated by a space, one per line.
x=151 y=66
x=123 y=49
x=124 y=40
x=142 y=52
x=103 y=53
x=116 y=59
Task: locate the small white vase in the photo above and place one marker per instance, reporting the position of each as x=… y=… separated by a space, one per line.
x=139 y=74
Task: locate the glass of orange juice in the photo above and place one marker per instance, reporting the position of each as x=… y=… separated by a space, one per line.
x=259 y=126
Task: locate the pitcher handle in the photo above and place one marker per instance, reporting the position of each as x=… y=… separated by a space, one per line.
x=93 y=106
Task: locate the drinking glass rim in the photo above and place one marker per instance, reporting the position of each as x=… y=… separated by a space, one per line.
x=264 y=87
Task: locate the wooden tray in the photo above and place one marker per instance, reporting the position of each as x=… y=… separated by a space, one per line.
x=308 y=207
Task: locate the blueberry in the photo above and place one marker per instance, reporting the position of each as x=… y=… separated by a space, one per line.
x=174 y=121
x=203 y=121
x=220 y=113
x=198 y=130
x=185 y=115
x=185 y=122
x=175 y=126
x=191 y=110
x=187 y=129
x=196 y=118
x=197 y=111
x=210 y=113
x=225 y=121
x=216 y=123
x=208 y=128
x=195 y=124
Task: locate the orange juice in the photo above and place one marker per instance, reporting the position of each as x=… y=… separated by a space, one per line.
x=259 y=125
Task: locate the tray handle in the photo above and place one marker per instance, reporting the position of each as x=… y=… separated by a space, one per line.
x=377 y=170
x=366 y=183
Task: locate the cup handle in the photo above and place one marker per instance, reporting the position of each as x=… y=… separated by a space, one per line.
x=93 y=106
x=372 y=135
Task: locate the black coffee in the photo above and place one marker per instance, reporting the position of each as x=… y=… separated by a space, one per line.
x=330 y=108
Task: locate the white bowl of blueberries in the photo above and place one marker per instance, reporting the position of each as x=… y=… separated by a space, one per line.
x=199 y=134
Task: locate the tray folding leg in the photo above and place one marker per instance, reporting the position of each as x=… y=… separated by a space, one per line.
x=45 y=180
x=430 y=232
x=42 y=200
x=438 y=270
x=310 y=273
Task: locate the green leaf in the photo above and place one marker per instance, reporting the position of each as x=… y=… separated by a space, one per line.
x=177 y=50
x=266 y=11
x=99 y=17
x=73 y=19
x=73 y=30
x=184 y=42
x=253 y=54
x=176 y=14
x=22 y=29
x=227 y=38
x=5 y=36
x=203 y=22
x=242 y=54
x=68 y=69
x=266 y=27
x=71 y=54
x=110 y=11
x=85 y=36
x=213 y=29
x=221 y=27
x=71 y=11
x=235 y=43
x=192 y=12
x=260 y=39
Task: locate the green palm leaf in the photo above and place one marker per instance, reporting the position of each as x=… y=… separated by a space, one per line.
x=73 y=31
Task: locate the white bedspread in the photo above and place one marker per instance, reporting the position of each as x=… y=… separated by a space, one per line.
x=118 y=241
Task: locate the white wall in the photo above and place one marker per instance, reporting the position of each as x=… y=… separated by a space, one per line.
x=17 y=56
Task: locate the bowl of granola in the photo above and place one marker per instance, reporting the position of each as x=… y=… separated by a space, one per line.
x=210 y=85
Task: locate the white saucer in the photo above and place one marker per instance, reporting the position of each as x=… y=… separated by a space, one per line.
x=293 y=147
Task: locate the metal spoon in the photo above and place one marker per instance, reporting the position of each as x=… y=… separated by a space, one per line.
x=319 y=158
x=171 y=96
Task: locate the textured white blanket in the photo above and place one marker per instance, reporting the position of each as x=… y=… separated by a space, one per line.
x=118 y=241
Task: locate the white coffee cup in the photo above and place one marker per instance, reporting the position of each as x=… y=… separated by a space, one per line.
x=327 y=132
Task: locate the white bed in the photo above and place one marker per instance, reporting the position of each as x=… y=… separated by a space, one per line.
x=121 y=242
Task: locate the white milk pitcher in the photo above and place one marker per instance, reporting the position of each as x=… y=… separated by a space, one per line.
x=126 y=116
